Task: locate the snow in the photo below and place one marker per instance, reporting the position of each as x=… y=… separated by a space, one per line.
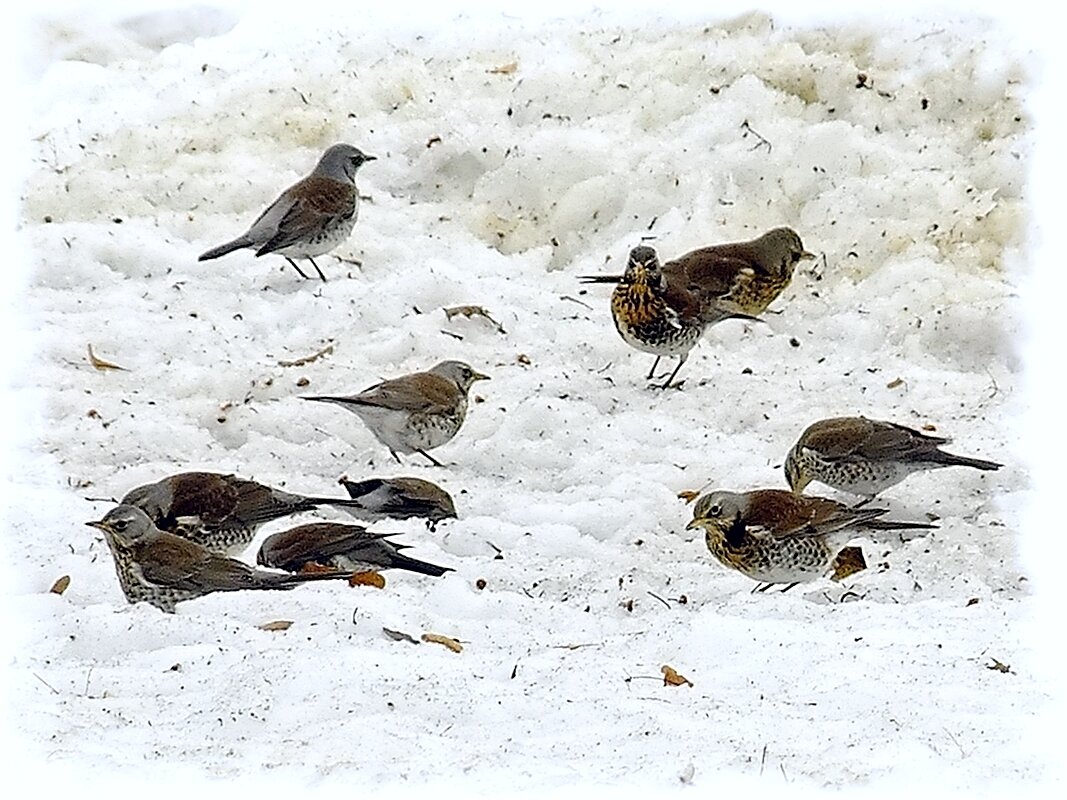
x=154 y=136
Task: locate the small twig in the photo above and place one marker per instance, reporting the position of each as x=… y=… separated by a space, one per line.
x=327 y=350
x=102 y=500
x=955 y=741
x=87 y=677
x=762 y=141
x=575 y=300
x=660 y=599
x=46 y=683
x=453 y=335
x=762 y=759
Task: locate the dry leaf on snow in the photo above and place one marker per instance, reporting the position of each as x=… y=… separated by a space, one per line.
x=472 y=311
x=672 y=678
x=688 y=496
x=447 y=641
x=370 y=578
x=277 y=625
x=102 y=365
x=848 y=562
x=60 y=585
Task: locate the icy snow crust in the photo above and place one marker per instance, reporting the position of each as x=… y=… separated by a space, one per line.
x=513 y=158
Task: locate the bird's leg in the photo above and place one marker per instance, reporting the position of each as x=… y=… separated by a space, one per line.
x=302 y=274
x=316 y=266
x=433 y=460
x=761 y=588
x=790 y=586
x=862 y=503
x=667 y=385
x=392 y=452
x=652 y=372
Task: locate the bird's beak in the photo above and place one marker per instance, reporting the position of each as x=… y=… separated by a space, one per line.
x=369 y=158
x=101 y=525
x=477 y=376
x=694 y=523
x=806 y=256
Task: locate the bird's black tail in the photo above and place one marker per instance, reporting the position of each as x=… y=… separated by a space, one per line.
x=952 y=460
x=599 y=278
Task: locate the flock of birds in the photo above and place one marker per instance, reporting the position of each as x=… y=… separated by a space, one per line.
x=175 y=540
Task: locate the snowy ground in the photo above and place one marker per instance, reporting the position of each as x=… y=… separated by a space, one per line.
x=512 y=158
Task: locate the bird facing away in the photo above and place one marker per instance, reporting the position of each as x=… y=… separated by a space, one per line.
x=417 y=412
x=220 y=512
x=663 y=310
x=311 y=217
x=399 y=498
x=160 y=568
x=351 y=548
x=866 y=456
x=774 y=536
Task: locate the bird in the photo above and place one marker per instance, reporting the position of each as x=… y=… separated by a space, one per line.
x=221 y=512
x=774 y=536
x=351 y=548
x=399 y=498
x=866 y=456
x=311 y=217
x=417 y=412
x=664 y=310
x=163 y=569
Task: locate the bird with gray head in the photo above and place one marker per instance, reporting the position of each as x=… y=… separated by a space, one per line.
x=311 y=217
x=664 y=309
x=399 y=498
x=337 y=546
x=414 y=413
x=774 y=536
x=162 y=569
x=867 y=456
x=220 y=512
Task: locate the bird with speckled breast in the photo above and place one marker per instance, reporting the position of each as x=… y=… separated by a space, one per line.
x=774 y=536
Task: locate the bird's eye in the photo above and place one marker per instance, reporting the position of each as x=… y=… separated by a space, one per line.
x=120 y=525
x=715 y=510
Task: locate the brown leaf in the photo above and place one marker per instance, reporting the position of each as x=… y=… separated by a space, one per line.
x=929 y=427
x=504 y=69
x=688 y=495
x=893 y=384
x=369 y=578
x=277 y=625
x=848 y=562
x=102 y=365
x=447 y=641
x=314 y=567
x=472 y=311
x=672 y=678
x=998 y=666
x=60 y=585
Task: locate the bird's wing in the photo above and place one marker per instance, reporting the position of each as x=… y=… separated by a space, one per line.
x=845 y=440
x=317 y=541
x=784 y=515
x=319 y=202
x=423 y=392
x=168 y=560
x=206 y=497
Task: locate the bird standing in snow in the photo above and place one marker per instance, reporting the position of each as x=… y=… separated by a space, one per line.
x=311 y=217
x=774 y=536
x=399 y=498
x=664 y=310
x=417 y=412
x=157 y=567
x=867 y=456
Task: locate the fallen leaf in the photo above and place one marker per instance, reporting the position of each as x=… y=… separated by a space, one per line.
x=688 y=496
x=523 y=359
x=277 y=625
x=314 y=567
x=893 y=384
x=102 y=365
x=447 y=641
x=472 y=311
x=504 y=69
x=369 y=578
x=399 y=636
x=972 y=601
x=998 y=666
x=848 y=562
x=929 y=427
x=60 y=585
x=672 y=678
x=308 y=359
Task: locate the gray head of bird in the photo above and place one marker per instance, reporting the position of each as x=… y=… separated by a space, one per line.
x=128 y=523
x=341 y=162
x=720 y=508
x=459 y=373
x=782 y=246
x=643 y=267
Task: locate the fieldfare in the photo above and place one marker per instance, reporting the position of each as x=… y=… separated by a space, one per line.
x=866 y=456
x=163 y=569
x=663 y=310
x=417 y=412
x=774 y=536
x=220 y=512
x=351 y=548
x=311 y=217
x=399 y=498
